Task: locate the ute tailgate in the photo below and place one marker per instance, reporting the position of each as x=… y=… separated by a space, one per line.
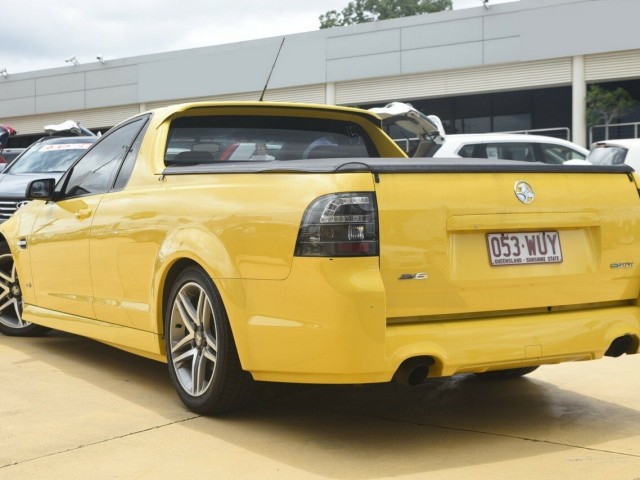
x=457 y=240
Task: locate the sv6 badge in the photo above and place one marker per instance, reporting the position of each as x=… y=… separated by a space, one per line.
x=413 y=276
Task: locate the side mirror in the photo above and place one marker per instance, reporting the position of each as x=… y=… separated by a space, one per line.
x=41 y=189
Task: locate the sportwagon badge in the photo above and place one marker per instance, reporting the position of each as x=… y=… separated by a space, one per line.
x=524 y=192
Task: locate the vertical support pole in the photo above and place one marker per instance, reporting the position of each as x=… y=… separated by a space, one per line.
x=330 y=93
x=579 y=101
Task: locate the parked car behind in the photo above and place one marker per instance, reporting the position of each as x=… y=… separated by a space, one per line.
x=9 y=154
x=616 y=152
x=5 y=132
x=430 y=140
x=50 y=155
x=511 y=146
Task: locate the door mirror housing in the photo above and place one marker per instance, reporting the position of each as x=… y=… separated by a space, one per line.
x=41 y=189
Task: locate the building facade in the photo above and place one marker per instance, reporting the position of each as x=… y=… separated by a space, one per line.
x=524 y=65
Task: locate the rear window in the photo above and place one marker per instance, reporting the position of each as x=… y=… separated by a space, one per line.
x=207 y=139
x=607 y=155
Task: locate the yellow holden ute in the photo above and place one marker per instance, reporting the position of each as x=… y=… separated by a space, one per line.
x=243 y=242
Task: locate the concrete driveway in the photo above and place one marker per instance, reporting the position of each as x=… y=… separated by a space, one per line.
x=75 y=409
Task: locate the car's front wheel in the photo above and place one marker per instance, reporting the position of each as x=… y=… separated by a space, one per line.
x=11 y=322
x=201 y=353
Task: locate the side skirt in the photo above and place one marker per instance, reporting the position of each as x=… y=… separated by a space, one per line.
x=138 y=342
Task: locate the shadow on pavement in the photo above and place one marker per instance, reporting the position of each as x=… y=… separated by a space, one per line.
x=368 y=431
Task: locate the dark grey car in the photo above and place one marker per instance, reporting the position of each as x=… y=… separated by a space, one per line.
x=49 y=155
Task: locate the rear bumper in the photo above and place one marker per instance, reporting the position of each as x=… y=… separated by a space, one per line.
x=513 y=341
x=326 y=323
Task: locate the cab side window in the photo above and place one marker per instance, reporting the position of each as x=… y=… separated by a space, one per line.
x=468 y=151
x=559 y=154
x=95 y=172
x=511 y=151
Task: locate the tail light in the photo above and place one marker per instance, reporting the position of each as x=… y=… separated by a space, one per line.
x=339 y=225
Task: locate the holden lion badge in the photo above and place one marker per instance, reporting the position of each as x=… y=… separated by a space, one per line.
x=524 y=192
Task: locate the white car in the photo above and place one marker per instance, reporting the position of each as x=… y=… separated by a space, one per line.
x=511 y=146
x=616 y=152
x=431 y=140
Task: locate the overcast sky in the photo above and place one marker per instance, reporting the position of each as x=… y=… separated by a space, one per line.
x=40 y=34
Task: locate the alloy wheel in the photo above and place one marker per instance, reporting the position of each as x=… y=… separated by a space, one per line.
x=10 y=295
x=193 y=339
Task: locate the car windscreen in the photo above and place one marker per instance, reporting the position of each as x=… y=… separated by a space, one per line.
x=47 y=158
x=607 y=155
x=206 y=139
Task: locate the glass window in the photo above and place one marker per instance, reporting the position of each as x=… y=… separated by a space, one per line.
x=406 y=140
x=130 y=160
x=46 y=157
x=95 y=172
x=467 y=151
x=607 y=155
x=515 y=122
x=473 y=125
x=206 y=139
x=511 y=151
x=559 y=154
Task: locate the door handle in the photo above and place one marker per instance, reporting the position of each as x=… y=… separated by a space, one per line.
x=83 y=213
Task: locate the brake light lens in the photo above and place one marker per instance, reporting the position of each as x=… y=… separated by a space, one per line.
x=339 y=225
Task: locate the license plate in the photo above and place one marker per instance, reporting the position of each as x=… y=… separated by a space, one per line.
x=524 y=248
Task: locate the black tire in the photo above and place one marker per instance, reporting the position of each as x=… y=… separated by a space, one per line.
x=11 y=303
x=506 y=374
x=201 y=354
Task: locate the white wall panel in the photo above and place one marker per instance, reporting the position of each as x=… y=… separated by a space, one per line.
x=307 y=94
x=17 y=107
x=443 y=33
x=363 y=67
x=14 y=89
x=371 y=43
x=60 y=102
x=501 y=50
x=105 y=97
x=112 y=77
x=445 y=57
x=55 y=84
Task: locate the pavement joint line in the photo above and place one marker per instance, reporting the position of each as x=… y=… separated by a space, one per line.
x=106 y=440
x=483 y=432
x=385 y=419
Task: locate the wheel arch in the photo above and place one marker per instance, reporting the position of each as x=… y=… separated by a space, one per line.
x=199 y=247
x=170 y=275
x=183 y=247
